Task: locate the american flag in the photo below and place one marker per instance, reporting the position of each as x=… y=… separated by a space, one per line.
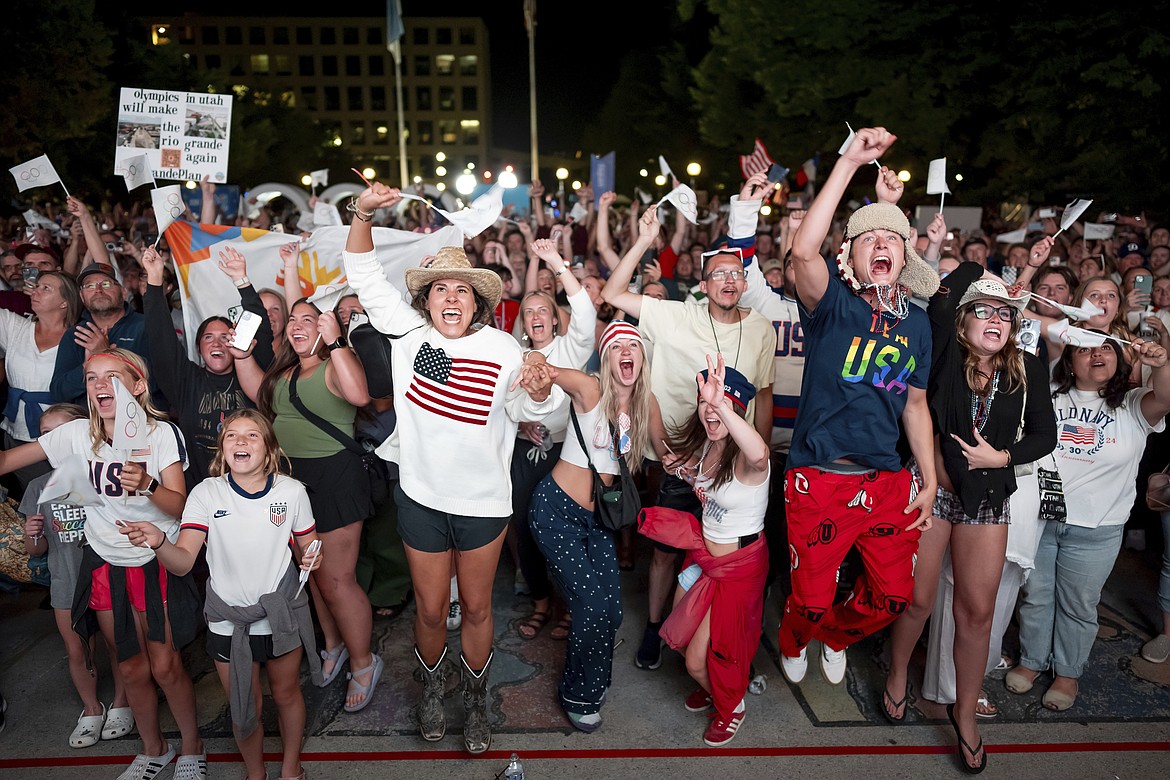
x=460 y=389
x=1078 y=434
x=758 y=160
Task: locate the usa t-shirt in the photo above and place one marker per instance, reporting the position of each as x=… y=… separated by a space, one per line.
x=858 y=370
x=164 y=446
x=248 y=538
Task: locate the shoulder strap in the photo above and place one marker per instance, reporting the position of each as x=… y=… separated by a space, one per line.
x=328 y=427
x=581 y=440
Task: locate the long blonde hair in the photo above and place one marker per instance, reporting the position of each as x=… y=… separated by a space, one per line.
x=135 y=364
x=639 y=412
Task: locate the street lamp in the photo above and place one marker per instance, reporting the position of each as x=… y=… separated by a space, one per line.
x=440 y=171
x=507 y=178
x=693 y=170
x=562 y=174
x=465 y=184
x=660 y=180
x=903 y=176
x=307 y=180
x=440 y=156
x=369 y=173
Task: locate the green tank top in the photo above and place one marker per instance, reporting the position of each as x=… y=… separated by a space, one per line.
x=299 y=437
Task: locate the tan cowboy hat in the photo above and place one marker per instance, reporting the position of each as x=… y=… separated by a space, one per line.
x=917 y=273
x=451 y=263
x=995 y=290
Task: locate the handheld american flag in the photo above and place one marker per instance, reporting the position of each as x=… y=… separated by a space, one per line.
x=755 y=162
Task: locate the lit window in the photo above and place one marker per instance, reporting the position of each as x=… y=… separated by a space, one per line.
x=469 y=65
x=260 y=64
x=445 y=64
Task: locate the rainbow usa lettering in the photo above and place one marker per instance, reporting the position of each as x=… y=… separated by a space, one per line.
x=877 y=363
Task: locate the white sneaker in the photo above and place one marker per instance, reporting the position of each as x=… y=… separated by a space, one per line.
x=454 y=616
x=795 y=668
x=832 y=665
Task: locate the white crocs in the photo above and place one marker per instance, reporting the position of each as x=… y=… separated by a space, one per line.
x=88 y=731
x=145 y=767
x=119 y=722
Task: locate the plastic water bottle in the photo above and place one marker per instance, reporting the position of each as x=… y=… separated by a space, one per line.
x=515 y=770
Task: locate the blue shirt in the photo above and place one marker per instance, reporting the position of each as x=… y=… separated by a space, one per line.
x=859 y=366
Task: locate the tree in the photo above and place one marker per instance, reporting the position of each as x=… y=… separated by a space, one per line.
x=1022 y=97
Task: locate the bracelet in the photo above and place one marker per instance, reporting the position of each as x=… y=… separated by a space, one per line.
x=364 y=216
x=160 y=544
x=243 y=281
x=1009 y=456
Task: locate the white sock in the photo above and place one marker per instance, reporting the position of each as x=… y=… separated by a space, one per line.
x=454 y=588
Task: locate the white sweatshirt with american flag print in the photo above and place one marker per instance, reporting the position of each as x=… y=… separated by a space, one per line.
x=457 y=419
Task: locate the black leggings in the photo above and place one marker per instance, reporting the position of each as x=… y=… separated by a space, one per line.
x=526 y=475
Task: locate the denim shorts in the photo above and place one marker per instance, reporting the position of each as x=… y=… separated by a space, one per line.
x=429 y=530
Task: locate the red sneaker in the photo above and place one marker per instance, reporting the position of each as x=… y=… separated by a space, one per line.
x=698 y=701
x=721 y=731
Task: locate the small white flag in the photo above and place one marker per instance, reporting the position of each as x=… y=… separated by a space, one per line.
x=1097 y=232
x=643 y=196
x=35 y=219
x=664 y=168
x=38 y=172
x=1079 y=337
x=130 y=421
x=936 y=178
x=683 y=198
x=319 y=178
x=848 y=140
x=168 y=205
x=578 y=212
x=69 y=484
x=476 y=218
x=136 y=171
x=1072 y=212
x=1014 y=237
x=1085 y=311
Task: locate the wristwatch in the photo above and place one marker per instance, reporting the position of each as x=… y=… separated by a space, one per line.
x=341 y=343
x=243 y=281
x=149 y=489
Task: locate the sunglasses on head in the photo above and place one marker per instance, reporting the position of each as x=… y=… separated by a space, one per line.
x=1005 y=313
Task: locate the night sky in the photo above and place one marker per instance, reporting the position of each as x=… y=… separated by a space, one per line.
x=579 y=47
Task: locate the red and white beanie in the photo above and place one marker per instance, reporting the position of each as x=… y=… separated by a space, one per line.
x=618 y=329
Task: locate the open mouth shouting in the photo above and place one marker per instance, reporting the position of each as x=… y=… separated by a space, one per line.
x=105 y=403
x=452 y=315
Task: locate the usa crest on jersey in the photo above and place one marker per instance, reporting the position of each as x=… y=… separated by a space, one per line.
x=277 y=513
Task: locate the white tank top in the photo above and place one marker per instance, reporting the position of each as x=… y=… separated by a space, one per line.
x=733 y=509
x=593 y=429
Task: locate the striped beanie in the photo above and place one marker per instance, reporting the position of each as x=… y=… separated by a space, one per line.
x=618 y=329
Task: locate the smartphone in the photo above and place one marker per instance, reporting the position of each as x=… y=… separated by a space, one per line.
x=1047 y=214
x=358 y=318
x=234 y=313
x=1109 y=218
x=776 y=172
x=30 y=274
x=795 y=204
x=246 y=330
x=1143 y=283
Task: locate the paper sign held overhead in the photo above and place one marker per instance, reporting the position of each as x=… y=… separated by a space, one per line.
x=185 y=135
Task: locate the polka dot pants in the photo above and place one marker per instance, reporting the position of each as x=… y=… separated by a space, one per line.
x=583 y=561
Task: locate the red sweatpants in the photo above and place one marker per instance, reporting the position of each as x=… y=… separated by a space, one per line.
x=828 y=514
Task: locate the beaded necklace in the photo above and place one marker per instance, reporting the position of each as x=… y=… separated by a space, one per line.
x=981 y=411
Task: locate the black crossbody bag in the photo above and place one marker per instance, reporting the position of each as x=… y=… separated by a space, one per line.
x=615 y=506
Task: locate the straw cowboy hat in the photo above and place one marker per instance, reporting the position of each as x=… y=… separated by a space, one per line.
x=451 y=263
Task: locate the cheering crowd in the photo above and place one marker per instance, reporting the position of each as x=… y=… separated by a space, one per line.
x=877 y=429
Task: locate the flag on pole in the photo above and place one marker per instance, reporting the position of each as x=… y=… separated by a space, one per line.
x=38 y=172
x=808 y=171
x=1012 y=237
x=1072 y=212
x=69 y=483
x=755 y=162
x=319 y=178
x=683 y=198
x=394 y=28
x=476 y=218
x=1097 y=232
x=530 y=15
x=168 y=205
x=936 y=178
x=602 y=174
x=130 y=421
x=136 y=171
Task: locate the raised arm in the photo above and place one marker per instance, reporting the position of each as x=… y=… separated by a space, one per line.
x=754 y=452
x=382 y=301
x=616 y=291
x=290 y=255
x=812 y=275
x=604 y=240
x=93 y=240
x=536 y=192
x=1156 y=405
x=207 y=211
x=1036 y=259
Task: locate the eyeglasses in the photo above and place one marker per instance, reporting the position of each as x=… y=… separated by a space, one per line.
x=103 y=285
x=723 y=273
x=1005 y=313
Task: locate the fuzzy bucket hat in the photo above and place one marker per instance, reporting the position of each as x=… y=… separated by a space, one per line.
x=917 y=275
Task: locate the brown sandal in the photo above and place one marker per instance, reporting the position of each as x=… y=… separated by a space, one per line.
x=530 y=626
x=561 y=629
